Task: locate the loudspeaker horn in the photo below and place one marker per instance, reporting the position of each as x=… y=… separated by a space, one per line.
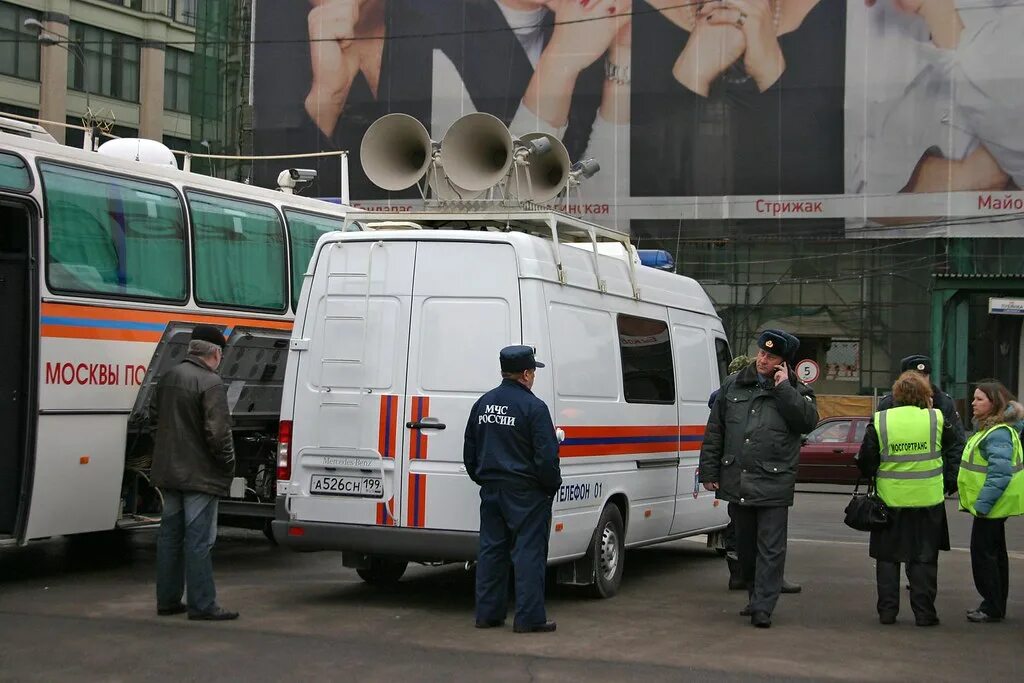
x=477 y=151
x=396 y=152
x=547 y=169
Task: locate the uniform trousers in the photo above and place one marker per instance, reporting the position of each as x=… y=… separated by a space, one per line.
x=761 y=546
x=515 y=525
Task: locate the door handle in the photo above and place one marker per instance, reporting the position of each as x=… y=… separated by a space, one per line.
x=837 y=450
x=423 y=424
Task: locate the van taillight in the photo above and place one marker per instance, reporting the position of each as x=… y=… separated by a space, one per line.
x=284 y=451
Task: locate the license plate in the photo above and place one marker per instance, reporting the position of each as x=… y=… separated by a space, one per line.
x=338 y=485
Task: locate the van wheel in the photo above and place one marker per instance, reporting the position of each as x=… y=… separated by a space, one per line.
x=382 y=571
x=268 y=531
x=608 y=552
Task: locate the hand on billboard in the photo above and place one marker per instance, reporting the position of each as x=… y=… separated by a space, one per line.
x=941 y=16
x=584 y=30
x=346 y=37
x=615 y=93
x=978 y=171
x=763 y=58
x=711 y=49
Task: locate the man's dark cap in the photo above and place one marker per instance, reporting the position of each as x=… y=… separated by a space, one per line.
x=209 y=333
x=518 y=358
x=917 y=362
x=777 y=342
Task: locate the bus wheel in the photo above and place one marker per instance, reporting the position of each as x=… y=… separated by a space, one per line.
x=382 y=571
x=608 y=551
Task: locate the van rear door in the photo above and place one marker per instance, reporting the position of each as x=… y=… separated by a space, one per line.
x=350 y=387
x=466 y=307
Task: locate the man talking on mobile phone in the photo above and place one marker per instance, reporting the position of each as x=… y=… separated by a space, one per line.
x=749 y=458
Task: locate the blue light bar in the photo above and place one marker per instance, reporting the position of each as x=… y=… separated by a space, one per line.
x=657 y=258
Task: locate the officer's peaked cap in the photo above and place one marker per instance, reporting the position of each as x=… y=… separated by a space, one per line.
x=518 y=358
x=779 y=343
x=917 y=362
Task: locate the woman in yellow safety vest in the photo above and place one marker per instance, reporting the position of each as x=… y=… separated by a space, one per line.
x=909 y=451
x=991 y=484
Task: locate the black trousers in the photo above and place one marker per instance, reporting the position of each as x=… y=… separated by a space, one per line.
x=761 y=546
x=990 y=564
x=924 y=581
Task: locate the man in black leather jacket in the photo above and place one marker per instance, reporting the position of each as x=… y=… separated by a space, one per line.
x=193 y=464
x=750 y=456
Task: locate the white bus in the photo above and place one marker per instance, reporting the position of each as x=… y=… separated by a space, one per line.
x=105 y=265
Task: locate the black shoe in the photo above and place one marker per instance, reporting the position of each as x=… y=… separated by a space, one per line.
x=761 y=619
x=979 y=617
x=168 y=611
x=490 y=623
x=887 y=618
x=930 y=621
x=788 y=587
x=546 y=627
x=216 y=614
x=746 y=611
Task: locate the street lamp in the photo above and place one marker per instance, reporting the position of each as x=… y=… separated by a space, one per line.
x=47 y=37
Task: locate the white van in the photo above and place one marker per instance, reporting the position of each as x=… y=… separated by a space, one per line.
x=397 y=334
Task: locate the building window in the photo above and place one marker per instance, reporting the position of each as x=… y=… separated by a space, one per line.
x=177 y=78
x=19 y=47
x=182 y=11
x=110 y=66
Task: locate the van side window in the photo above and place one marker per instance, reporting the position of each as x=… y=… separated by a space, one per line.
x=112 y=236
x=646 y=352
x=304 y=229
x=724 y=357
x=239 y=253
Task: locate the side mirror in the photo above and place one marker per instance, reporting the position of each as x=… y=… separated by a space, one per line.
x=803 y=440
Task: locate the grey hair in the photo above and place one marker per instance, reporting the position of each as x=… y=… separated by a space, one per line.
x=199 y=347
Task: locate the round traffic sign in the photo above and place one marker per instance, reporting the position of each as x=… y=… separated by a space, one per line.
x=807 y=370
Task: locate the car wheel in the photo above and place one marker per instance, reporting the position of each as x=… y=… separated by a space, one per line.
x=382 y=571
x=608 y=552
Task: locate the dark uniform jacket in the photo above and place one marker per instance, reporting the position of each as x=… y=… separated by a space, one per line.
x=752 y=442
x=510 y=441
x=194 y=450
x=952 y=441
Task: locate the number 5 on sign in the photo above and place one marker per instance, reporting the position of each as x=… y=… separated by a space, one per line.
x=807 y=370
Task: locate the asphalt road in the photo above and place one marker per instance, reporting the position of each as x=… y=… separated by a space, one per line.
x=85 y=611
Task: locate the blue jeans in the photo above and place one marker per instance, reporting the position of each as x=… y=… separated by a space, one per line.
x=188 y=530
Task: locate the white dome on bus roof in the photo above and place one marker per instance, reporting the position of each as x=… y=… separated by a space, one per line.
x=139 y=149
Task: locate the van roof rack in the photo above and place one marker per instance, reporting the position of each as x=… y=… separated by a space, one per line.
x=541 y=222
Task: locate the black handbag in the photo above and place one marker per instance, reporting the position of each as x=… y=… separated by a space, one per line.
x=866 y=511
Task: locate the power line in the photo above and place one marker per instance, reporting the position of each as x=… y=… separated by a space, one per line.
x=464 y=32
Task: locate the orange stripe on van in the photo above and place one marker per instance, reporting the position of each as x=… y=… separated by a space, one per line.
x=386 y=446
x=417 y=498
x=590 y=440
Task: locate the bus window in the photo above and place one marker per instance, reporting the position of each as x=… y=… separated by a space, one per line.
x=646 y=351
x=304 y=229
x=112 y=236
x=14 y=173
x=239 y=253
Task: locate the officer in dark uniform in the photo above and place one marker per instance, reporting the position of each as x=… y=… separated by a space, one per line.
x=940 y=400
x=511 y=452
x=749 y=458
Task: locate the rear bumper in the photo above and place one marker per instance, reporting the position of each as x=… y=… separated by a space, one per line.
x=423 y=545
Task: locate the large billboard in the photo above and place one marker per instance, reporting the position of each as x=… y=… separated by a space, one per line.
x=887 y=116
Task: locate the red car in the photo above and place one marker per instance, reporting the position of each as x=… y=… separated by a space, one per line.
x=829 y=451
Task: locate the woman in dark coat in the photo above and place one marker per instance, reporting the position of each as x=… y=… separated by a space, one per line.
x=916 y=534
